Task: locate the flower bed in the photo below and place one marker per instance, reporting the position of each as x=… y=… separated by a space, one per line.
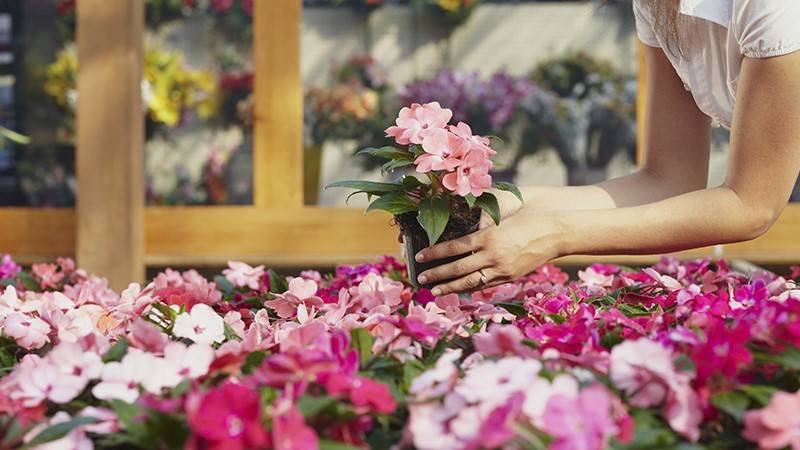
x=680 y=355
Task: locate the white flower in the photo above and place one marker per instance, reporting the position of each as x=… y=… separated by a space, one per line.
x=243 y=275
x=189 y=362
x=121 y=380
x=438 y=380
x=202 y=325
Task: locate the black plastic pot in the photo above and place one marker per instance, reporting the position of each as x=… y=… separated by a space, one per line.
x=462 y=222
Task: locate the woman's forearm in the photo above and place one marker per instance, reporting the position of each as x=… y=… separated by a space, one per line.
x=637 y=188
x=691 y=220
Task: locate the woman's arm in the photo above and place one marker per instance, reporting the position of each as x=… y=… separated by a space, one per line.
x=676 y=160
x=763 y=167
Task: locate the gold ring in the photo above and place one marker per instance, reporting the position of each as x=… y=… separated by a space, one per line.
x=484 y=280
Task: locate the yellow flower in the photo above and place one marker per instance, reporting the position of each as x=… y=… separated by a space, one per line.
x=60 y=77
x=449 y=5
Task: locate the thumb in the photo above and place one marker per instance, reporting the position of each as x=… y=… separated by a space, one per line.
x=486 y=221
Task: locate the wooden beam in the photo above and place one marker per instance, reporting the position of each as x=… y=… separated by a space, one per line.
x=278 y=108
x=110 y=140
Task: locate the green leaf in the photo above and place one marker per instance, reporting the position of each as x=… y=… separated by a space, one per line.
x=361 y=341
x=434 y=213
x=387 y=152
x=488 y=203
x=395 y=164
x=252 y=361
x=759 y=393
x=224 y=285
x=410 y=183
x=230 y=333
x=732 y=403
x=311 y=406
x=59 y=430
x=127 y=413
x=325 y=444
x=509 y=187
x=370 y=187
x=789 y=358
x=470 y=199
x=28 y=282
x=394 y=203
x=117 y=351
x=277 y=283
x=514 y=308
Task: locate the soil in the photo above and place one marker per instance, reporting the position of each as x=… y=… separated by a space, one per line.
x=463 y=221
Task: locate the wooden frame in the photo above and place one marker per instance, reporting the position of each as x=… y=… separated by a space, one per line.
x=277 y=229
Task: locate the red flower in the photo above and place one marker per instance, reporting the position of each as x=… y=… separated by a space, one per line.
x=228 y=418
x=363 y=392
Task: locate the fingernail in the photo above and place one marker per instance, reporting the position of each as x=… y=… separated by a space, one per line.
x=422 y=279
x=420 y=257
x=436 y=291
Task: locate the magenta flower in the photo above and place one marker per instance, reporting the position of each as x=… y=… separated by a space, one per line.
x=471 y=177
x=289 y=428
x=228 y=418
x=363 y=392
x=8 y=268
x=724 y=350
x=777 y=425
x=583 y=423
x=443 y=151
x=413 y=123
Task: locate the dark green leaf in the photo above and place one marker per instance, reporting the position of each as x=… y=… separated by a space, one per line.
x=230 y=333
x=117 y=351
x=759 y=393
x=394 y=203
x=388 y=152
x=470 y=199
x=277 y=283
x=6 y=358
x=224 y=285
x=488 y=203
x=509 y=187
x=789 y=358
x=7 y=282
x=311 y=406
x=434 y=213
x=371 y=187
x=514 y=308
x=252 y=361
x=127 y=413
x=732 y=403
x=395 y=164
x=325 y=444
x=361 y=341
x=410 y=183
x=59 y=430
x=28 y=282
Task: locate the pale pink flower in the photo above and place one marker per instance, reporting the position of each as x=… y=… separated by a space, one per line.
x=121 y=380
x=682 y=410
x=463 y=132
x=501 y=340
x=107 y=420
x=44 y=381
x=413 y=123
x=9 y=302
x=643 y=369
x=29 y=332
x=593 y=279
x=47 y=275
x=189 y=362
x=134 y=301
x=202 y=325
x=300 y=291
x=76 y=439
x=146 y=336
x=79 y=322
x=234 y=320
x=491 y=383
x=472 y=177
x=71 y=358
x=438 y=380
x=541 y=390
x=665 y=280
x=375 y=290
x=443 y=151
x=244 y=275
x=777 y=425
x=580 y=423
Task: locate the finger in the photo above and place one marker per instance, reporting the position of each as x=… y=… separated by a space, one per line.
x=463 y=266
x=466 y=283
x=486 y=221
x=456 y=247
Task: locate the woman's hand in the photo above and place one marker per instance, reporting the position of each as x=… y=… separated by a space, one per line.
x=497 y=254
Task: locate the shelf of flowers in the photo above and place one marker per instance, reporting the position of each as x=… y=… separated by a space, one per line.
x=677 y=355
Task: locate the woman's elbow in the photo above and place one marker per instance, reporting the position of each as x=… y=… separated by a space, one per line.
x=758 y=220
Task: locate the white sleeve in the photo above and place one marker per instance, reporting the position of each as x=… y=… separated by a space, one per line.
x=644 y=25
x=766 y=28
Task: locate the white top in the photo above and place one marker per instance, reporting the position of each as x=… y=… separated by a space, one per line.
x=724 y=32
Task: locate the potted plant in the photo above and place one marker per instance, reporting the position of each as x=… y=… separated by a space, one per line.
x=447 y=199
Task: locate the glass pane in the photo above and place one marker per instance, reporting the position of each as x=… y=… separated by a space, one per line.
x=37 y=101
x=197 y=88
x=556 y=81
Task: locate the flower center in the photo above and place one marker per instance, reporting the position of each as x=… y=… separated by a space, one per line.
x=234 y=425
x=198 y=329
x=721 y=350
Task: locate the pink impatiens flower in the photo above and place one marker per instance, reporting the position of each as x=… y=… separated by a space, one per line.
x=777 y=425
x=243 y=275
x=642 y=369
x=44 y=381
x=202 y=325
x=463 y=132
x=471 y=177
x=413 y=123
x=228 y=417
x=29 y=332
x=443 y=151
x=301 y=291
x=289 y=429
x=580 y=423
x=501 y=340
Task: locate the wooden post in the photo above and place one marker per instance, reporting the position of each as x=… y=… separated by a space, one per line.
x=110 y=140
